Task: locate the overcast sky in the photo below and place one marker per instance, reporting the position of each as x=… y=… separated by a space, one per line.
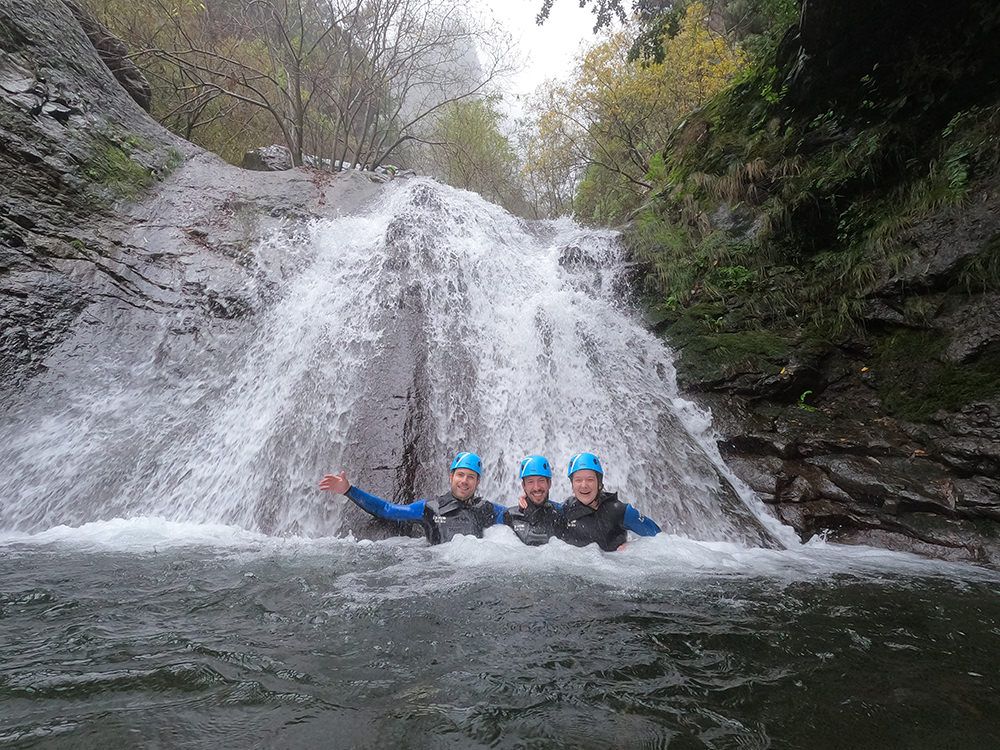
x=549 y=49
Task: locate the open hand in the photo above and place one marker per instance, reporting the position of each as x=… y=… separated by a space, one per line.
x=335 y=483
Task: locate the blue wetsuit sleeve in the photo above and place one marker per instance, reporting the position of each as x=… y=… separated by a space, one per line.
x=498 y=513
x=384 y=509
x=635 y=521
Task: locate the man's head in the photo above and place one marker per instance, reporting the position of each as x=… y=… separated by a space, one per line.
x=536 y=478
x=465 y=471
x=587 y=477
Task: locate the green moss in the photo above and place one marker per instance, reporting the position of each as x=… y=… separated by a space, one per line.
x=112 y=167
x=711 y=350
x=174 y=159
x=914 y=381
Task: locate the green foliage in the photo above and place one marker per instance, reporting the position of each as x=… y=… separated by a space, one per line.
x=829 y=200
x=802 y=401
x=604 y=197
x=611 y=121
x=475 y=154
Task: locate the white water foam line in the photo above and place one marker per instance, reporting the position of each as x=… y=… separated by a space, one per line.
x=408 y=567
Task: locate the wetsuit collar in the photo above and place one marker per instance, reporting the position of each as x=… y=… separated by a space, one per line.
x=579 y=509
x=448 y=502
x=532 y=509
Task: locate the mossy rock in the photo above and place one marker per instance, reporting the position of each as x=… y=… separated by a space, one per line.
x=112 y=168
x=745 y=359
x=915 y=382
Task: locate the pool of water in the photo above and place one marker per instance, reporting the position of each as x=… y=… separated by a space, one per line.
x=146 y=633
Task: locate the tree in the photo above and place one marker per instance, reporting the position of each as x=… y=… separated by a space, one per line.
x=617 y=112
x=351 y=80
x=473 y=153
x=551 y=168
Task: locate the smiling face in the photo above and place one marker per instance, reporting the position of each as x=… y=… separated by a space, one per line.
x=537 y=489
x=464 y=483
x=586 y=486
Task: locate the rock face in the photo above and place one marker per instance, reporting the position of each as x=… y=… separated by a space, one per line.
x=72 y=145
x=114 y=53
x=89 y=271
x=884 y=432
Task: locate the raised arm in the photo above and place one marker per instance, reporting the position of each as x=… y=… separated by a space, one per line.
x=371 y=503
x=635 y=521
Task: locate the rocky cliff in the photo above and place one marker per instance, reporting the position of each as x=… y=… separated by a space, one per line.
x=119 y=240
x=825 y=255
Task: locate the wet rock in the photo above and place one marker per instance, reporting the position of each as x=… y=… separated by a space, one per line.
x=576 y=258
x=873 y=479
x=904 y=541
x=889 y=483
x=801 y=481
x=74 y=145
x=972 y=328
x=880 y=311
x=115 y=54
x=268 y=159
x=968 y=441
x=814 y=517
x=941 y=244
x=758 y=472
x=976 y=497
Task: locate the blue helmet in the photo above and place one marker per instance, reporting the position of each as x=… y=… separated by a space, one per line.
x=535 y=466
x=468 y=461
x=584 y=461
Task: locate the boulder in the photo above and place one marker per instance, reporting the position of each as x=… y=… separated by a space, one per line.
x=272 y=158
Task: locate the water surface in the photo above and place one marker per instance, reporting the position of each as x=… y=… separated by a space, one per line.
x=145 y=633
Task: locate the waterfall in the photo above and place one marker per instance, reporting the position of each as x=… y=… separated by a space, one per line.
x=382 y=342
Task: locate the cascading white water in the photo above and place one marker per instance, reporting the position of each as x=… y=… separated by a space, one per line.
x=508 y=339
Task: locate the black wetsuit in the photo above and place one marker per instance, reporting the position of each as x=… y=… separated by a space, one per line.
x=450 y=517
x=441 y=519
x=607 y=526
x=536 y=524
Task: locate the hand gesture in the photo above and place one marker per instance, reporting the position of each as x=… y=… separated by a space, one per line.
x=522 y=502
x=335 y=483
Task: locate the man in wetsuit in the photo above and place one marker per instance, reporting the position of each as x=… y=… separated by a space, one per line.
x=459 y=511
x=540 y=519
x=592 y=515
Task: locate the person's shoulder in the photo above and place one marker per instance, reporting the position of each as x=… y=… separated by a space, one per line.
x=611 y=501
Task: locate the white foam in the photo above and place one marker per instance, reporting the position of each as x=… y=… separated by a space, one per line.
x=145 y=533
x=415 y=568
